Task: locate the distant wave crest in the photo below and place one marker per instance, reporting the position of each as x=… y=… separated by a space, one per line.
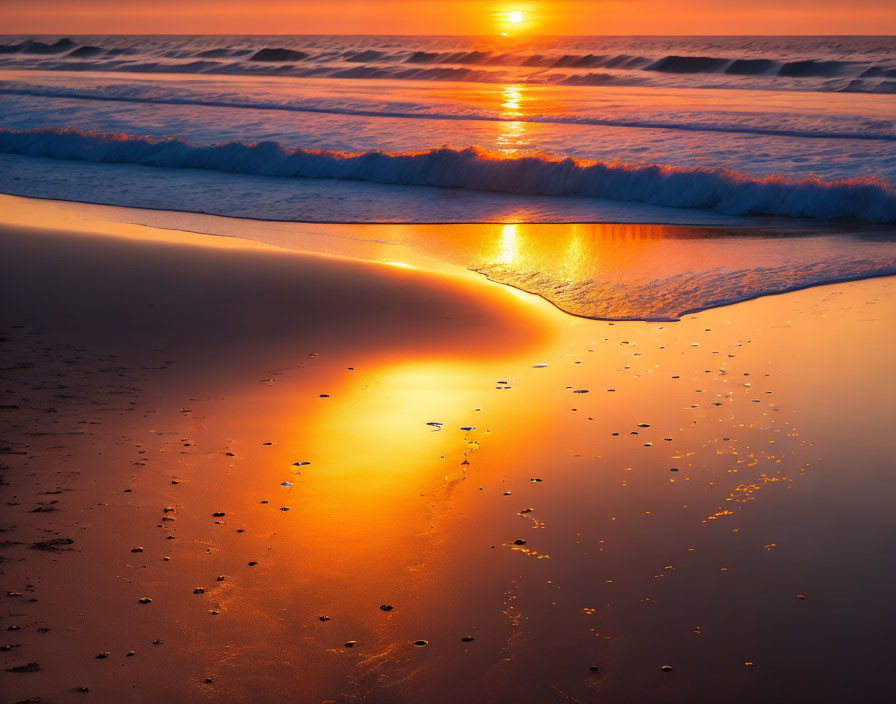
x=393 y=61
x=722 y=190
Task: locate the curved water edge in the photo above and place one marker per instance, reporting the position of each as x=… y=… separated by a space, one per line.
x=673 y=316
x=717 y=189
x=612 y=272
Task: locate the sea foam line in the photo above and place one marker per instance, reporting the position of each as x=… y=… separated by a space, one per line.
x=105 y=95
x=718 y=189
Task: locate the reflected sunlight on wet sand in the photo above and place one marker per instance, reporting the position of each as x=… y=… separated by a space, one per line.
x=554 y=508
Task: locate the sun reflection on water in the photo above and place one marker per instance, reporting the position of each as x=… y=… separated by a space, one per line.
x=512 y=96
x=511 y=132
x=508 y=244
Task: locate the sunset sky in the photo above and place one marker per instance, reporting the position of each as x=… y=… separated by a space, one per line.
x=572 y=17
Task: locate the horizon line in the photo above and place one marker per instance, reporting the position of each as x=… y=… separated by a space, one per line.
x=406 y=34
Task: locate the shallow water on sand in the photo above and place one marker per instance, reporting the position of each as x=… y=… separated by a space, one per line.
x=604 y=271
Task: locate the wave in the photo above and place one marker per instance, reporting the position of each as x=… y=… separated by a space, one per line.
x=815 y=69
x=809 y=68
x=381 y=61
x=86 y=52
x=34 y=47
x=278 y=55
x=859 y=86
x=689 y=64
x=141 y=95
x=721 y=190
x=752 y=67
x=879 y=72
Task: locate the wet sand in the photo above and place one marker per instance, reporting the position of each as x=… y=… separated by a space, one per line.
x=271 y=446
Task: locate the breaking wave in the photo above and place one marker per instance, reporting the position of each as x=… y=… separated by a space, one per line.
x=717 y=189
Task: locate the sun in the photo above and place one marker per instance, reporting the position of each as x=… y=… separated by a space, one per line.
x=515 y=17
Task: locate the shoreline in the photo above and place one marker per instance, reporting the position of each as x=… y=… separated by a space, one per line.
x=481 y=250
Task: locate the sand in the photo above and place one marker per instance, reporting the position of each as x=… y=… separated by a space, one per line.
x=255 y=438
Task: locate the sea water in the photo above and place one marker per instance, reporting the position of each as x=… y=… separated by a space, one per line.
x=675 y=130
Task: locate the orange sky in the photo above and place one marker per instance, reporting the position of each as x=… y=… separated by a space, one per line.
x=448 y=16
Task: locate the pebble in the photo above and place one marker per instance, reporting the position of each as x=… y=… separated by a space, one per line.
x=350 y=643
x=421 y=643
x=144 y=600
x=386 y=607
x=103 y=655
x=467 y=639
x=199 y=590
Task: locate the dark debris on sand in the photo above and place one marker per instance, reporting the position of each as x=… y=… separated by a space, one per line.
x=53 y=545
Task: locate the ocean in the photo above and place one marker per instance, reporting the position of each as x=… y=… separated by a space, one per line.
x=694 y=127
x=782 y=149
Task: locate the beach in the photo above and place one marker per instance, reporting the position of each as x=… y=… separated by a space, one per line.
x=236 y=471
x=345 y=363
